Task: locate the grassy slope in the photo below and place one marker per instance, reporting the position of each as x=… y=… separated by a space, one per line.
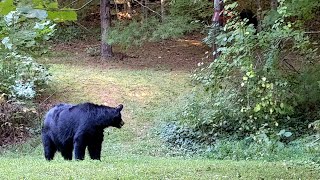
x=132 y=152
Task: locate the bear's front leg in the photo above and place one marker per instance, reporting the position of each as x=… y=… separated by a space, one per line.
x=79 y=148
x=94 y=145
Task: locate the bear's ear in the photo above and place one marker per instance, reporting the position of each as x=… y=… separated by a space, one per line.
x=119 y=108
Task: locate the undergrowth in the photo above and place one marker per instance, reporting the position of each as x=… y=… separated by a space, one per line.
x=136 y=33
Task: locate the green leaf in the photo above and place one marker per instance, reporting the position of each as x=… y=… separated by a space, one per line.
x=37 y=13
x=52 y=5
x=281 y=105
x=6 y=6
x=38 y=4
x=281 y=132
x=60 y=16
x=257 y=108
x=287 y=134
x=6 y=42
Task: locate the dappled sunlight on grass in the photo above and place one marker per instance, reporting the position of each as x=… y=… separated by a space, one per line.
x=79 y=84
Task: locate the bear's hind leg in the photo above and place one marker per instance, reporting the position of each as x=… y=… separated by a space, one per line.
x=67 y=152
x=49 y=147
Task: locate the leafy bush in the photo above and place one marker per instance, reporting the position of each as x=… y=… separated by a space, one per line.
x=255 y=66
x=184 y=17
x=20 y=76
x=67 y=32
x=195 y=10
x=263 y=86
x=135 y=33
x=181 y=139
x=264 y=149
x=302 y=9
x=23 y=32
x=174 y=27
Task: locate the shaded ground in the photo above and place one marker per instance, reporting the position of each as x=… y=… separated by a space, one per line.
x=174 y=55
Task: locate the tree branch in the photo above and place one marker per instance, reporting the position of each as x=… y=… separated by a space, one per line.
x=312 y=32
x=78 y=9
x=148 y=8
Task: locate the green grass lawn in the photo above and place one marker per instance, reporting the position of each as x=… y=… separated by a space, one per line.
x=133 y=152
x=147 y=167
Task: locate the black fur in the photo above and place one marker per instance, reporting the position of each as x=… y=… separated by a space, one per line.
x=248 y=14
x=74 y=127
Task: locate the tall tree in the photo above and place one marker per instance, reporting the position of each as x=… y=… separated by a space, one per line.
x=216 y=22
x=105 y=15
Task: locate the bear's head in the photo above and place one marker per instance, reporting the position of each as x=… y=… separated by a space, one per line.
x=117 y=120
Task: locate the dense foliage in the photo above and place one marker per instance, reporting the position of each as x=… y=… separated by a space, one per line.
x=184 y=17
x=263 y=84
x=23 y=32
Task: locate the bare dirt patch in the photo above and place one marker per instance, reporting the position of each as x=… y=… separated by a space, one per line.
x=174 y=55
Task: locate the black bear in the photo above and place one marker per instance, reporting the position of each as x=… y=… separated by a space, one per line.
x=248 y=14
x=70 y=127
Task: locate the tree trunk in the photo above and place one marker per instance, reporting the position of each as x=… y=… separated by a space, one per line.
x=144 y=9
x=105 y=15
x=129 y=9
x=274 y=4
x=162 y=10
x=259 y=15
x=217 y=4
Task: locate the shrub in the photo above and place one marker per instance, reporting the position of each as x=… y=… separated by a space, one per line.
x=181 y=139
x=15 y=122
x=133 y=34
x=174 y=27
x=195 y=10
x=254 y=88
x=264 y=149
x=184 y=17
x=25 y=30
x=255 y=66
x=67 y=32
x=23 y=33
x=21 y=77
x=136 y=33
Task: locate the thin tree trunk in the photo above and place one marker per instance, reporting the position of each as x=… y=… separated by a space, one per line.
x=145 y=10
x=259 y=15
x=162 y=10
x=217 y=4
x=129 y=9
x=274 y=4
x=105 y=15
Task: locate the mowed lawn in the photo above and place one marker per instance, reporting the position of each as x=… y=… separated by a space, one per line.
x=135 y=151
x=147 y=167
